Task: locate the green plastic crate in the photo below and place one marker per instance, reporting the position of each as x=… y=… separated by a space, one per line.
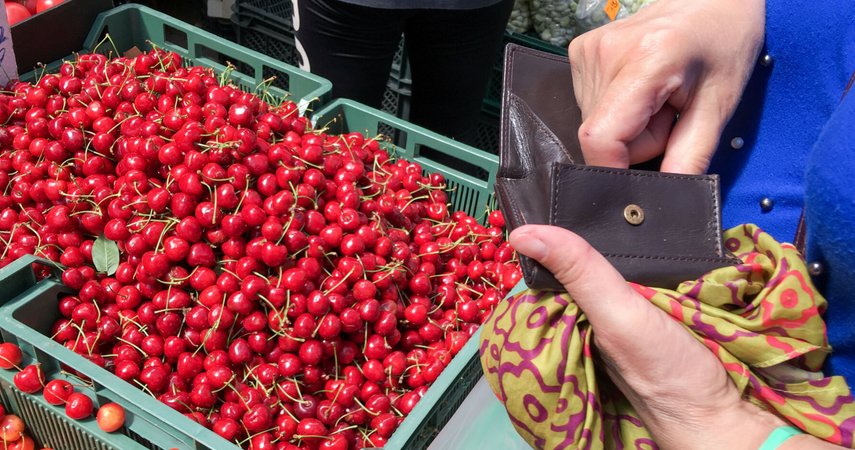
x=470 y=172
x=26 y=319
x=49 y=426
x=30 y=309
x=138 y=26
x=441 y=400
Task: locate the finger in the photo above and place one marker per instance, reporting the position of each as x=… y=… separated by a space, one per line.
x=623 y=113
x=654 y=139
x=586 y=275
x=576 y=55
x=694 y=139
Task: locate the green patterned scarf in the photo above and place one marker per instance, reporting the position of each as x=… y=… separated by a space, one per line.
x=760 y=318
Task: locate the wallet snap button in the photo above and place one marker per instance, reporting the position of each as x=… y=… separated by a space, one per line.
x=633 y=214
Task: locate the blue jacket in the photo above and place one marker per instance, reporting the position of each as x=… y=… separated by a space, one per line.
x=772 y=142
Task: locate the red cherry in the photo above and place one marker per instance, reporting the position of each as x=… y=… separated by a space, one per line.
x=56 y=392
x=78 y=406
x=10 y=355
x=30 y=379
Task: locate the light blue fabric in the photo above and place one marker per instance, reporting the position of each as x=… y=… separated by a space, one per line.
x=785 y=107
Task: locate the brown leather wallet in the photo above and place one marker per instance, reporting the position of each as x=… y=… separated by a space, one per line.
x=657 y=229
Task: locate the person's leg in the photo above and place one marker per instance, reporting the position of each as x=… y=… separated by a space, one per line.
x=350 y=45
x=452 y=53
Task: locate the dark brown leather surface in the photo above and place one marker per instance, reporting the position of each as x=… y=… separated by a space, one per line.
x=679 y=238
x=542 y=179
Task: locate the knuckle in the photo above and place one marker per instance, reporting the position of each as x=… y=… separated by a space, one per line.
x=575 y=50
x=655 y=42
x=613 y=42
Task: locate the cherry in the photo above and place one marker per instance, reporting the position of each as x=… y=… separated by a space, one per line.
x=11 y=428
x=78 y=406
x=57 y=392
x=256 y=255
x=10 y=355
x=311 y=352
x=228 y=429
x=257 y=418
x=30 y=379
x=110 y=417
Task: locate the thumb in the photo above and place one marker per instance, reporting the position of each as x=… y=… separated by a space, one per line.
x=637 y=338
x=595 y=285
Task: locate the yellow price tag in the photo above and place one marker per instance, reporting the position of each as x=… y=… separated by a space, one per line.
x=611 y=9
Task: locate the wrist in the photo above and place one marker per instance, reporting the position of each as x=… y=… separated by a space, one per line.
x=739 y=426
x=750 y=425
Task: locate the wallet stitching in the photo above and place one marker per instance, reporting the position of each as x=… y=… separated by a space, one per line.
x=556 y=195
x=718 y=244
x=675 y=176
x=670 y=258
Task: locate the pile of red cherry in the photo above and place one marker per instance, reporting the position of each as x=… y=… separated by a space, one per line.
x=285 y=287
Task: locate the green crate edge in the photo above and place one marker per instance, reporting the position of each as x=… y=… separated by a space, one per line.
x=308 y=89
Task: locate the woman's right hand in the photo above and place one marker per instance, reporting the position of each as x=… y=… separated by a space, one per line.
x=633 y=77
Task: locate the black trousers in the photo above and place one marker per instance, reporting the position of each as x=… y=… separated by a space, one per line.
x=451 y=53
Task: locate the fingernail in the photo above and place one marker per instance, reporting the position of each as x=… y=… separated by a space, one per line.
x=529 y=245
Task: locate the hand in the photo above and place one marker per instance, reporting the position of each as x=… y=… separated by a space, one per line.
x=678 y=387
x=633 y=76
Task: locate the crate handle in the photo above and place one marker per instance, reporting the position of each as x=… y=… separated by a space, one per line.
x=18 y=276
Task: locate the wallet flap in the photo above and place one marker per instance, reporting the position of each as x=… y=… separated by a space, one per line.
x=534 y=149
x=538 y=124
x=544 y=83
x=530 y=140
x=658 y=229
x=633 y=212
